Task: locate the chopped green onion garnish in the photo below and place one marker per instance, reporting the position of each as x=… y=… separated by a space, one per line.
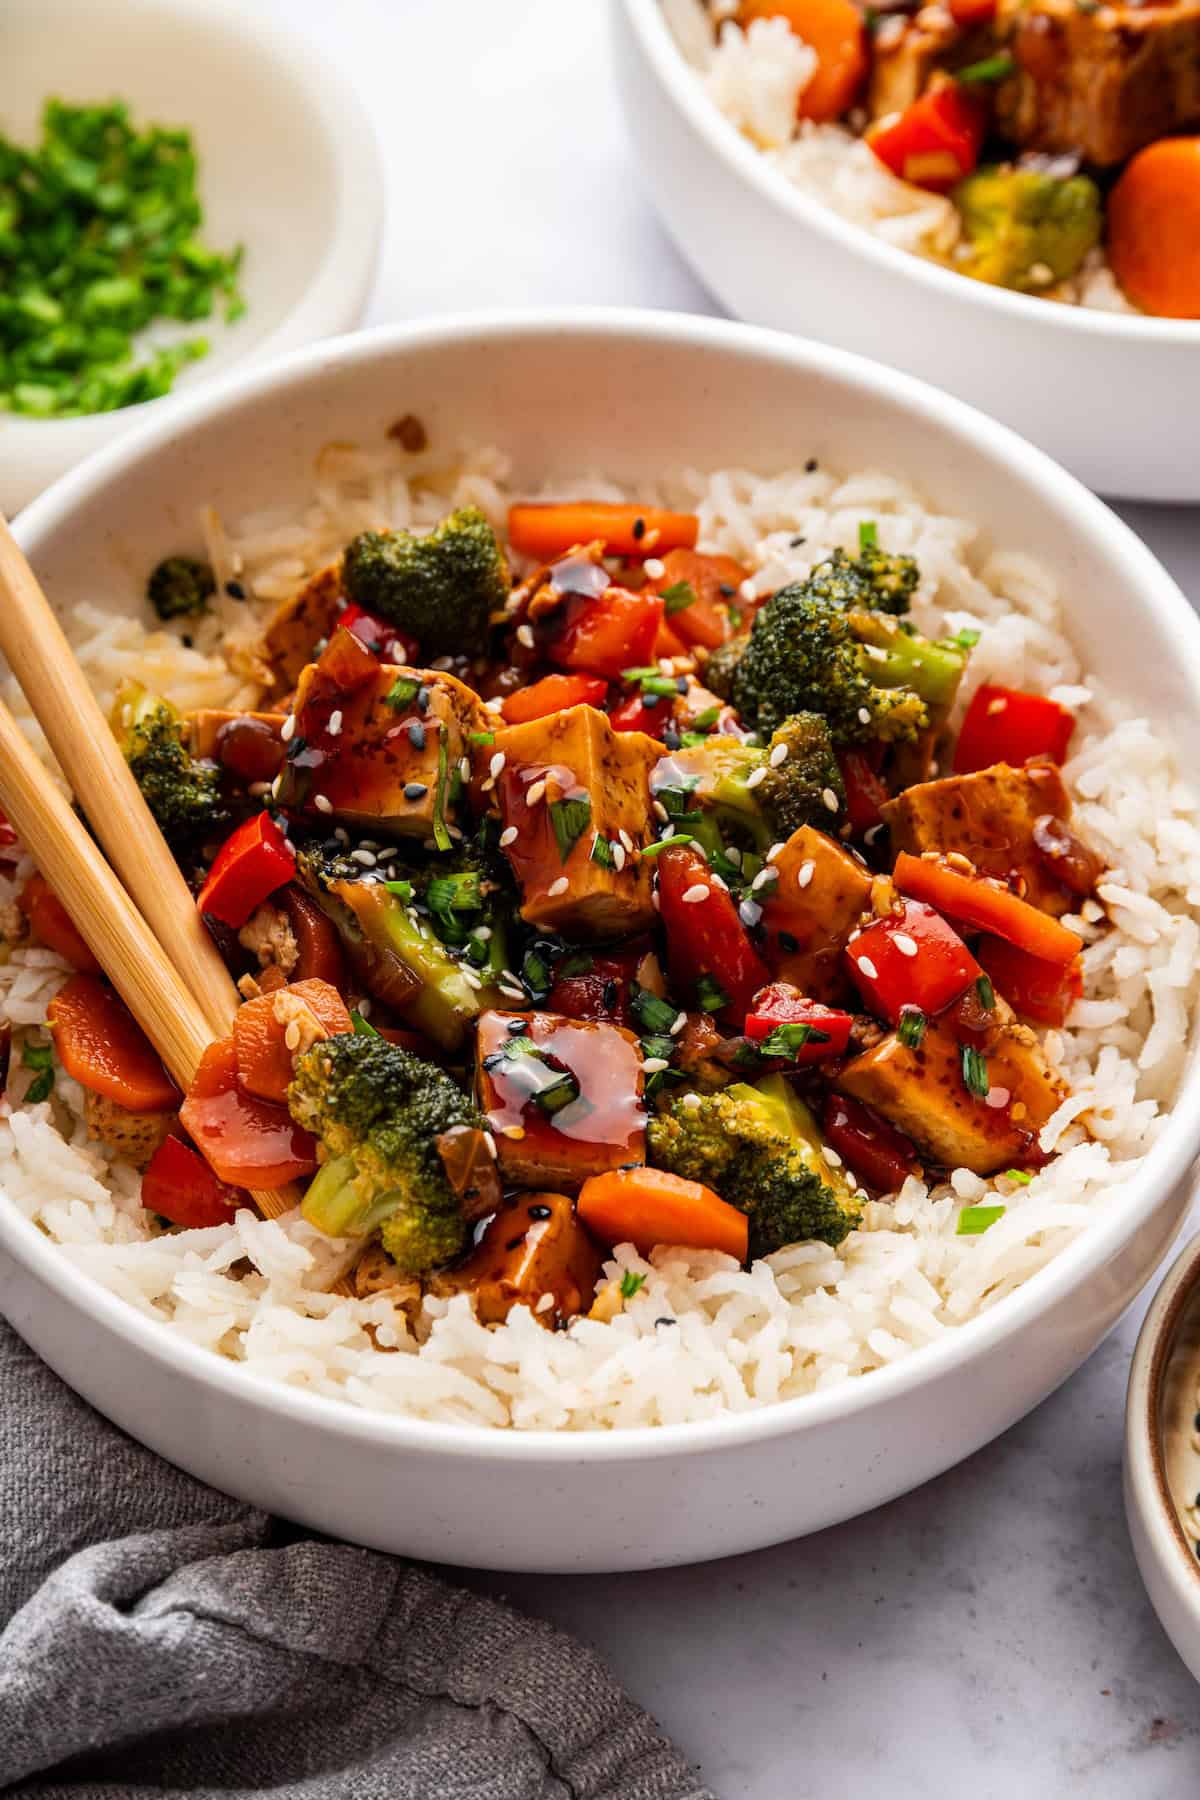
x=679 y=596
x=911 y=1028
x=441 y=835
x=535 y=974
x=710 y=995
x=362 y=1027
x=631 y=1283
x=570 y=819
x=991 y=68
x=975 y=1071
x=973 y=1220
x=402 y=692
x=640 y=674
x=481 y=738
x=676 y=837
x=455 y=893
x=786 y=1039
x=37 y=1056
x=403 y=890
x=868 y=535
x=652 y=1013
x=986 y=992
x=707 y=719
x=660 y=1046
x=601 y=852
x=967 y=638
x=1022 y=1177
x=560 y=1093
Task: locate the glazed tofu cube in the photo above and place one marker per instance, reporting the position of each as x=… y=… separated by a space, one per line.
x=576 y=795
x=923 y=1092
x=298 y=625
x=534 y=1253
x=563 y=1097
x=379 y=745
x=988 y=817
x=811 y=910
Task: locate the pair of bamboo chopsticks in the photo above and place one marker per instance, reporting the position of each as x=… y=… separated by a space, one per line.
x=143 y=929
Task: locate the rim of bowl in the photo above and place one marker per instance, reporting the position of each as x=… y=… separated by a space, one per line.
x=658 y=45
x=1166 y=1164
x=1176 y=1299
x=349 y=257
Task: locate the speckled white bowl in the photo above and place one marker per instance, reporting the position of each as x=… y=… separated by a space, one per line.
x=1105 y=393
x=1162 y=1462
x=631 y=393
x=288 y=167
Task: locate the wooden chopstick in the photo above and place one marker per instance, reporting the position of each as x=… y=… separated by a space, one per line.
x=106 y=918
x=80 y=736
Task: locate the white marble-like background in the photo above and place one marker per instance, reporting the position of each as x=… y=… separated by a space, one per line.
x=987 y=1636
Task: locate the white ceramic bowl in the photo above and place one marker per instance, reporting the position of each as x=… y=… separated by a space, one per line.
x=288 y=167
x=1105 y=393
x=1162 y=1464
x=631 y=393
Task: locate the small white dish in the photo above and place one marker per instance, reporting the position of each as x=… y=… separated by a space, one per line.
x=1103 y=392
x=288 y=167
x=1162 y=1454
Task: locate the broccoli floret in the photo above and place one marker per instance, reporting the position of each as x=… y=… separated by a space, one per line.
x=872 y=578
x=180 y=586
x=748 y=786
x=1027 y=229
x=379 y=1112
x=722 y=664
x=760 y=1148
x=440 y=588
x=869 y=676
x=182 y=791
x=470 y=900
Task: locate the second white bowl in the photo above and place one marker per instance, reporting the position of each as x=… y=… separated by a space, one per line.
x=1105 y=393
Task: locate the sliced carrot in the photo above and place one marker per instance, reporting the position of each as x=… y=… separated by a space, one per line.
x=835 y=30
x=702 y=597
x=546 y=532
x=1154 y=228
x=100 y=1043
x=644 y=1207
x=50 y=924
x=264 y=1062
x=986 y=904
x=248 y=1142
x=553 y=693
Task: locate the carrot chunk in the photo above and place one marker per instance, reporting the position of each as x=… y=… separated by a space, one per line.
x=260 y=1029
x=644 y=1207
x=100 y=1043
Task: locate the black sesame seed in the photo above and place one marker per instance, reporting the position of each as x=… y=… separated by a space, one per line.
x=415 y=790
x=515 y=1243
x=423 y=699
x=416 y=735
x=235 y=590
x=788 y=942
x=650 y=701
x=516 y=1025
x=681 y=684
x=726 y=591
x=611 y=995
x=494 y=1060
x=671 y=739
x=810 y=465
x=639 y=530
x=797 y=541
x=540 y=1212
x=666 y=1321
x=187 y=640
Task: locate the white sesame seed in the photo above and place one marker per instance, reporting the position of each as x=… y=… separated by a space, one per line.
x=755 y=776
x=805 y=873
x=618 y=856
x=868 y=968
x=508 y=836
x=655 y=902
x=364 y=1006
x=872 y=832
x=653 y=1064
x=288 y=729
x=497 y=763
x=750 y=912
x=691 y=1101
x=525 y=636
x=678 y=1023
x=464 y=768
x=666 y=665
x=495 y=704
x=512 y=993
x=626 y=840
x=775 y=851
x=291 y=1036
x=544 y=1304
x=660 y=811
x=997 y=1097
x=762 y=878
x=470 y=977
x=747 y=589
x=831 y=1157
x=535 y=793
x=696 y=893
x=322 y=804
x=334 y=727
x=654 y=568
x=442 y=662
x=778 y=755
x=490 y=1141
x=864 y=716
x=905 y=945
x=367 y=858
x=717 y=882
x=558 y=887
x=734 y=855
x=830 y=799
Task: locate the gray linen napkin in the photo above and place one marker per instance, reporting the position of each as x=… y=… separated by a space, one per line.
x=162 y=1639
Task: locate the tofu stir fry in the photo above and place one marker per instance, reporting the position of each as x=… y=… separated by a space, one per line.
x=577 y=899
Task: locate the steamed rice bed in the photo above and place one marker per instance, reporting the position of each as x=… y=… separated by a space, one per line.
x=807 y=1317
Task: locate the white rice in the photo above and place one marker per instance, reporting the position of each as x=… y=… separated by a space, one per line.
x=701 y=1336
x=755 y=78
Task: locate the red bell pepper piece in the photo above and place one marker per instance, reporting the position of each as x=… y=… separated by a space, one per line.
x=248 y=1142
x=986 y=904
x=380 y=636
x=866 y=791
x=910 y=958
x=635 y=713
x=781 y=1004
x=601 y=992
x=1040 y=990
x=934 y=142
x=876 y=1152
x=616 y=630
x=179 y=1185
x=250 y=864
x=712 y=614
x=1006 y=725
x=554 y=693
x=51 y=924
x=706 y=941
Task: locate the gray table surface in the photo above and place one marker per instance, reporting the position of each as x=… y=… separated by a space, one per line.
x=988 y=1634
